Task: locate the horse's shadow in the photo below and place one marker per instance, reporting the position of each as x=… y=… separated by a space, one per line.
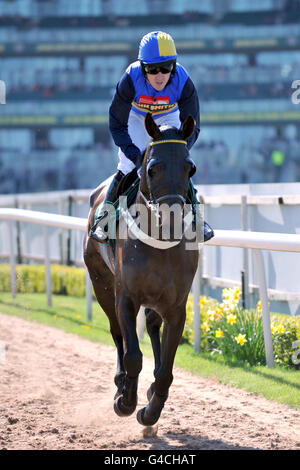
x=177 y=441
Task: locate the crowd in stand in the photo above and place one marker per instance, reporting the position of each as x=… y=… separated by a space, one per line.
x=219 y=78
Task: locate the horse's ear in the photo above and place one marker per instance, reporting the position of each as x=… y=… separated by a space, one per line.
x=151 y=127
x=187 y=127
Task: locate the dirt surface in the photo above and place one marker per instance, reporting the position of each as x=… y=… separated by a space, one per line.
x=57 y=393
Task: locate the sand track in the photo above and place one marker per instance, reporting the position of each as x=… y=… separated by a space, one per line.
x=57 y=393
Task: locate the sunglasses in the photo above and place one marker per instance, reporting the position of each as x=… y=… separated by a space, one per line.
x=154 y=69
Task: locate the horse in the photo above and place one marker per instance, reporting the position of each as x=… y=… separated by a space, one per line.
x=132 y=273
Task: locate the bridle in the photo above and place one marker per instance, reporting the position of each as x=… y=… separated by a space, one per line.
x=153 y=203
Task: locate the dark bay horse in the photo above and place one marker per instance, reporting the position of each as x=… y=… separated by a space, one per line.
x=134 y=273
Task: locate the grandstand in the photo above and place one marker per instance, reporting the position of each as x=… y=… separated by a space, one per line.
x=61 y=59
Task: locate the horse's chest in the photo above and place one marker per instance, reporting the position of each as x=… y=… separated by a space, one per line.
x=154 y=281
x=151 y=280
x=158 y=292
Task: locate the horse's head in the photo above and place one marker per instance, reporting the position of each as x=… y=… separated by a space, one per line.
x=167 y=167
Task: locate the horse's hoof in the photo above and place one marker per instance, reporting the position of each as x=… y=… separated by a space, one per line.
x=121 y=409
x=143 y=420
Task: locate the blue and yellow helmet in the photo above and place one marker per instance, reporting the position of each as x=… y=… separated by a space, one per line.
x=157 y=47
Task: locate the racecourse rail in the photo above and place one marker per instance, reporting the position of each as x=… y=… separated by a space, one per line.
x=231 y=238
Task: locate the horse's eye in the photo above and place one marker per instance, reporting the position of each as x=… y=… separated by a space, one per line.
x=153 y=169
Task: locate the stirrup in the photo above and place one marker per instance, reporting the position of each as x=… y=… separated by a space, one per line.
x=97 y=232
x=208 y=232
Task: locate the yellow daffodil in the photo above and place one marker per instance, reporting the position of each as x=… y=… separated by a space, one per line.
x=231 y=299
x=241 y=339
x=213 y=315
x=219 y=333
x=231 y=319
x=218 y=312
x=205 y=326
x=231 y=294
x=277 y=329
x=280 y=329
x=236 y=294
x=259 y=306
x=273 y=329
x=229 y=308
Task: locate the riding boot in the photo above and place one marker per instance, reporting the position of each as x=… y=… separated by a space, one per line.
x=97 y=231
x=208 y=232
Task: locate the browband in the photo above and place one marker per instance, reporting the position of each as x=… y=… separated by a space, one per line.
x=166 y=141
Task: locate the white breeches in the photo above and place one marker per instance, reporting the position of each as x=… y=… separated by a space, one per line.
x=140 y=137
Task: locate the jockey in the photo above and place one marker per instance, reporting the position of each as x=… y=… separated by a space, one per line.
x=155 y=83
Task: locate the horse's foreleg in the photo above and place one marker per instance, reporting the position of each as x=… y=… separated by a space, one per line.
x=103 y=283
x=153 y=324
x=107 y=302
x=172 y=333
x=120 y=373
x=126 y=402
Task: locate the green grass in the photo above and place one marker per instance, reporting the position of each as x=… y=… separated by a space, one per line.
x=279 y=384
x=68 y=313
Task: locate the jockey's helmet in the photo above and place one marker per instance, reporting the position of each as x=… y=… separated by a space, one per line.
x=156 y=48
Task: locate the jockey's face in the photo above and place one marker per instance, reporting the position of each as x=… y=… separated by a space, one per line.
x=158 y=81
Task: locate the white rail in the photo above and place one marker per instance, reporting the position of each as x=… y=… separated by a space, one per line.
x=44 y=219
x=257 y=240
x=254 y=240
